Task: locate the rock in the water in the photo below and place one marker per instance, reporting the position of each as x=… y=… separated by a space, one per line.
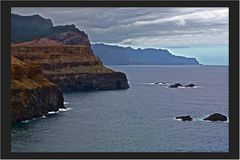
x=176 y=85
x=216 y=117
x=160 y=83
x=190 y=85
x=185 y=118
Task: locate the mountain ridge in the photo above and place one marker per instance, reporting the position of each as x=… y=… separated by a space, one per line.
x=118 y=55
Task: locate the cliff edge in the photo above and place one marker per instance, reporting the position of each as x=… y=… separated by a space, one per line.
x=32 y=95
x=64 y=54
x=70 y=67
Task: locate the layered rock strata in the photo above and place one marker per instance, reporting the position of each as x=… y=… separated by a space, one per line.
x=71 y=67
x=32 y=95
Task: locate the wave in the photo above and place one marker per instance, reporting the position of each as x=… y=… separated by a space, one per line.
x=193 y=119
x=161 y=83
x=28 y=120
x=59 y=110
x=25 y=121
x=48 y=113
x=64 y=109
x=65 y=102
x=227 y=121
x=53 y=112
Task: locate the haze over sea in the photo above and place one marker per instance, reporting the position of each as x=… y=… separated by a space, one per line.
x=139 y=119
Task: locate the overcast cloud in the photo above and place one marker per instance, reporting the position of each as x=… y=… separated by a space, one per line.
x=143 y=27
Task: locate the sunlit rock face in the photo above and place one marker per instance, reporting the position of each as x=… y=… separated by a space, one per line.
x=66 y=57
x=32 y=95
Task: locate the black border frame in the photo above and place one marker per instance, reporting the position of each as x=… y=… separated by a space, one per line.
x=233 y=81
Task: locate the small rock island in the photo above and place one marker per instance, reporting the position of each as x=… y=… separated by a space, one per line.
x=216 y=117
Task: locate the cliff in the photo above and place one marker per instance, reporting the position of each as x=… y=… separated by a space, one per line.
x=32 y=95
x=64 y=53
x=28 y=28
x=117 y=55
x=71 y=67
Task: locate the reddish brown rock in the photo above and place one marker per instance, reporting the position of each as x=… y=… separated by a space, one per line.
x=71 y=67
x=32 y=95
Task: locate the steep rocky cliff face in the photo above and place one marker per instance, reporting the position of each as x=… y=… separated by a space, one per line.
x=32 y=95
x=71 y=67
x=28 y=28
x=64 y=53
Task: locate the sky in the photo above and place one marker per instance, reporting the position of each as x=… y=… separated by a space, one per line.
x=188 y=31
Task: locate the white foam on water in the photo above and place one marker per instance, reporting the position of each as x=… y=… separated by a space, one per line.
x=176 y=119
x=192 y=87
x=65 y=102
x=25 y=121
x=148 y=83
x=227 y=121
x=182 y=120
x=53 y=112
x=44 y=116
x=159 y=83
x=28 y=120
x=182 y=87
x=64 y=109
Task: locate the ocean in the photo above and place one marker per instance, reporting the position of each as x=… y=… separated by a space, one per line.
x=139 y=119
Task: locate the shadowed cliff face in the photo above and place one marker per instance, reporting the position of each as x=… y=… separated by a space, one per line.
x=28 y=28
x=32 y=95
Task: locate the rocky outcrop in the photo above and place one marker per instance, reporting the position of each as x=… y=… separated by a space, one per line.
x=71 y=67
x=32 y=95
x=89 y=81
x=216 y=117
x=184 y=118
x=190 y=85
x=176 y=85
x=28 y=28
x=64 y=38
x=64 y=54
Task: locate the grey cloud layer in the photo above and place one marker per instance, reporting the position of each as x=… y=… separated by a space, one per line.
x=143 y=27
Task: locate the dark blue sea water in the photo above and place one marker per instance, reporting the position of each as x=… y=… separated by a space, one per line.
x=140 y=119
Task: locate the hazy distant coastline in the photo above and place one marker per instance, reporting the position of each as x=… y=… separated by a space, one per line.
x=117 y=55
